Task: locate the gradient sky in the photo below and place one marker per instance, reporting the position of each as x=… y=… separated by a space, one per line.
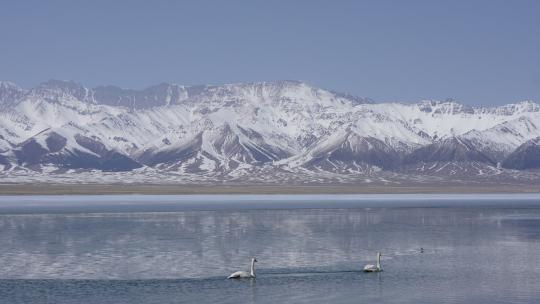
x=477 y=52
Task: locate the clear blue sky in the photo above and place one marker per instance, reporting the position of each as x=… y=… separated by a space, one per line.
x=478 y=52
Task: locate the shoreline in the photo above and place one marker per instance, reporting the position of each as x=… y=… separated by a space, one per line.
x=170 y=189
x=124 y=204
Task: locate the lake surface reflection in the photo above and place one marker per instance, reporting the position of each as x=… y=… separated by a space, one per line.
x=471 y=254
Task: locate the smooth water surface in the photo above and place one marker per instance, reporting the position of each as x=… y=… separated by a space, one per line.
x=472 y=253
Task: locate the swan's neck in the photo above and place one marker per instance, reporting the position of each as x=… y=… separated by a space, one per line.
x=379 y=261
x=252 y=268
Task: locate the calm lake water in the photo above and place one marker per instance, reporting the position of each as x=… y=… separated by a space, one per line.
x=311 y=249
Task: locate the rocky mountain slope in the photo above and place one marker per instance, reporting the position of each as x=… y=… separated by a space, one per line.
x=256 y=130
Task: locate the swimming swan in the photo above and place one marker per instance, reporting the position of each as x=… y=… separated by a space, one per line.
x=373 y=268
x=244 y=274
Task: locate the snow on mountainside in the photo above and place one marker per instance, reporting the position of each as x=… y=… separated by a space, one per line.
x=248 y=128
x=526 y=155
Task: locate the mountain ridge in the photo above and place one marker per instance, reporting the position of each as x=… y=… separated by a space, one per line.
x=233 y=130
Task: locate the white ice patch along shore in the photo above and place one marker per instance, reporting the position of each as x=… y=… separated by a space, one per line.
x=154 y=203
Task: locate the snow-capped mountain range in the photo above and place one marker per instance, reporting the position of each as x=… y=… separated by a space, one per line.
x=247 y=129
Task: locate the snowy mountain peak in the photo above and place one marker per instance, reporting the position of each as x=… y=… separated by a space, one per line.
x=157 y=95
x=444 y=107
x=8 y=85
x=234 y=129
x=526 y=106
x=59 y=89
x=9 y=90
x=10 y=93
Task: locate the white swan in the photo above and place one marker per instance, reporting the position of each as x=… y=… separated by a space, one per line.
x=374 y=268
x=244 y=274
